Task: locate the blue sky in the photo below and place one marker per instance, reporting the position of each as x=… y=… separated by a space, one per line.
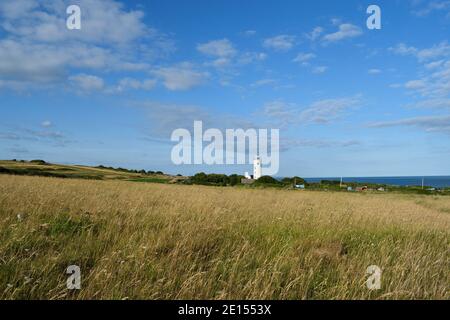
x=348 y=101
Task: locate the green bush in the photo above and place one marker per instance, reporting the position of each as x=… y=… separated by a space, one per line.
x=268 y=180
x=38 y=162
x=294 y=180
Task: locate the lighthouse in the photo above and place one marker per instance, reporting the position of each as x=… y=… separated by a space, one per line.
x=257 y=168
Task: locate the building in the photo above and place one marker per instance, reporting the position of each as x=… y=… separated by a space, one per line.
x=257 y=168
x=247 y=181
x=257 y=172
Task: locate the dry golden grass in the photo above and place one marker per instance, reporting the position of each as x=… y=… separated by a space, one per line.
x=153 y=241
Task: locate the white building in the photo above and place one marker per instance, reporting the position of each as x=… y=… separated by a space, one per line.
x=257 y=168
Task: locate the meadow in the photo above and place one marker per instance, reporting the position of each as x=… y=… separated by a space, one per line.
x=169 y=241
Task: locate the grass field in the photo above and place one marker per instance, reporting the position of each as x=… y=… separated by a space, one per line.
x=163 y=241
x=27 y=168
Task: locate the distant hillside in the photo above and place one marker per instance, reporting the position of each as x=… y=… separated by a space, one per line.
x=42 y=168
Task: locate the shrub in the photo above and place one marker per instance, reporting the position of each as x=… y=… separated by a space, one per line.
x=38 y=162
x=268 y=180
x=296 y=180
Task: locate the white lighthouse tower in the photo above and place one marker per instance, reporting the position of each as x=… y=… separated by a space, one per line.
x=257 y=168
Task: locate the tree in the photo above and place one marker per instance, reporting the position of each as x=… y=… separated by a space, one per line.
x=234 y=179
x=268 y=180
x=293 y=180
x=200 y=178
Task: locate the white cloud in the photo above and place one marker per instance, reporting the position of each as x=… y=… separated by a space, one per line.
x=129 y=83
x=403 y=49
x=320 y=69
x=287 y=144
x=219 y=63
x=263 y=82
x=86 y=82
x=23 y=62
x=437 y=103
x=17 y=9
x=429 y=123
x=346 y=31
x=431 y=7
x=46 y=124
x=319 y=112
x=433 y=86
x=249 y=33
x=250 y=57
x=104 y=21
x=327 y=110
x=280 y=112
x=335 y=21
x=434 y=64
x=181 y=77
x=166 y=117
x=38 y=49
x=415 y=84
x=226 y=55
x=304 y=57
x=441 y=49
x=315 y=33
x=218 y=48
x=42 y=135
x=374 y=71
x=280 y=43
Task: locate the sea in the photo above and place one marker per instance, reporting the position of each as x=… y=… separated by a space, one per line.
x=429 y=181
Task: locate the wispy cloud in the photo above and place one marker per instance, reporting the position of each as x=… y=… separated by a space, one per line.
x=439 y=103
x=430 y=7
x=303 y=58
x=130 y=83
x=403 y=49
x=327 y=110
x=319 y=112
x=433 y=82
x=428 y=123
x=263 y=82
x=217 y=48
x=374 y=71
x=320 y=69
x=37 y=50
x=441 y=49
x=291 y=143
x=182 y=76
x=46 y=124
x=346 y=31
x=249 y=33
x=314 y=34
x=166 y=117
x=251 y=57
x=38 y=135
x=87 y=83
x=280 y=43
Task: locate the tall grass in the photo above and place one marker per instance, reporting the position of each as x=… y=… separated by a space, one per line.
x=155 y=241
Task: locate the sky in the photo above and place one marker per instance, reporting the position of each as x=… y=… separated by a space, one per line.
x=348 y=101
